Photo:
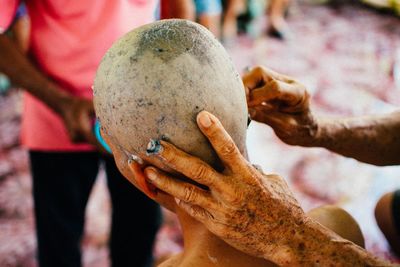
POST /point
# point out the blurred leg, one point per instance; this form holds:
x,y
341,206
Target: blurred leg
x,y
212,23
229,25
135,221
339,221
276,14
387,215
61,187
208,14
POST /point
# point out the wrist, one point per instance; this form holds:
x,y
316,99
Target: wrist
x,y
323,132
62,103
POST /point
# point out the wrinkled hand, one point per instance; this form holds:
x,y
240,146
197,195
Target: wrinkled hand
x,y
249,210
282,103
77,114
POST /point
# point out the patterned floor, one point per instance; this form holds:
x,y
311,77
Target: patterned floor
x,y
346,57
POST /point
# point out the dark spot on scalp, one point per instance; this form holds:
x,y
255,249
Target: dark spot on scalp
x,y
141,102
122,53
161,119
167,40
133,59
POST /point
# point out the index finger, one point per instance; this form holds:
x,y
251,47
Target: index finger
x,y
186,164
275,90
221,141
259,76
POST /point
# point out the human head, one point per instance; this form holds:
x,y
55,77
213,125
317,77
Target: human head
x,y
152,83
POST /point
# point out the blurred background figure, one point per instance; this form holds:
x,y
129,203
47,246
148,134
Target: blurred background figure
x,y
20,29
19,33
183,9
278,26
208,13
232,9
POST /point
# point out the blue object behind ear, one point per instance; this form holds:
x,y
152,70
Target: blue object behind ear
x,y
97,133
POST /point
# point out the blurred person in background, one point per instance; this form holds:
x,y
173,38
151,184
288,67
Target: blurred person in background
x,y
20,28
232,9
19,34
67,41
278,26
208,14
183,9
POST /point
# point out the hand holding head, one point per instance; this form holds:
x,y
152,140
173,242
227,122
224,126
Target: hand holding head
x,y
249,210
152,83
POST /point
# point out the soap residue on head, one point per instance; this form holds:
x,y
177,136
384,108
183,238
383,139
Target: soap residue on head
x,y
212,259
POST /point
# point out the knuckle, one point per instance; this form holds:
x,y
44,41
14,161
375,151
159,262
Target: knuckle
x,y
235,199
228,148
258,69
200,213
189,194
220,229
273,85
200,172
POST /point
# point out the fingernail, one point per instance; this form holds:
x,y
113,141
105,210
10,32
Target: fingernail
x,y
134,158
153,147
205,120
151,174
178,201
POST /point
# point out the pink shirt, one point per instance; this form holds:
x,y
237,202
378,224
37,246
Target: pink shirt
x,y
68,40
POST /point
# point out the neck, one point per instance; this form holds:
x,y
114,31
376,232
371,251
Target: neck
x,y
202,248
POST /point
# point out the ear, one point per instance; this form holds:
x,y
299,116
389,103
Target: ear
x,y
166,200
140,178
121,159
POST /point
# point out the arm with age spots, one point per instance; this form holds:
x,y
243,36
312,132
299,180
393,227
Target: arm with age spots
x,y
254,212
284,104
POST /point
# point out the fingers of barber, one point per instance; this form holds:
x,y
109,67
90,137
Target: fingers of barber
x,y
290,95
276,120
181,190
220,140
259,75
188,165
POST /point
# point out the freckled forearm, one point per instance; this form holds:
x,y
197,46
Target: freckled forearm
x,y
311,244
371,139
